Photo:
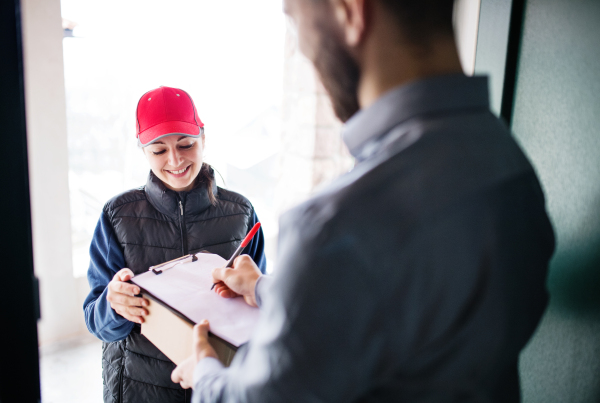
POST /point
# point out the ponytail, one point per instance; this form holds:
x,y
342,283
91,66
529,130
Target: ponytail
x,y
207,176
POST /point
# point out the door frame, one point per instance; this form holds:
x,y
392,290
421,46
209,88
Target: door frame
x,y
19,303
498,47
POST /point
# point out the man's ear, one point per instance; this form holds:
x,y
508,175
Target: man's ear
x,y
351,16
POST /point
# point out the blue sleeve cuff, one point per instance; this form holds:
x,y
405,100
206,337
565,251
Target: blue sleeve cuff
x,y
106,258
256,247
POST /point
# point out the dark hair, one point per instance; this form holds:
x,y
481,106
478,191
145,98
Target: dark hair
x,y
207,176
420,20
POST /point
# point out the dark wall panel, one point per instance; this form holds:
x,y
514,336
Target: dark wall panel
x,y
556,118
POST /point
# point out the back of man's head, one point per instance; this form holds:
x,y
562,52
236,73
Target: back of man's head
x,y
363,48
421,20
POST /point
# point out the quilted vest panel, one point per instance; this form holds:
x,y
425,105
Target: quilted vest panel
x,y
154,224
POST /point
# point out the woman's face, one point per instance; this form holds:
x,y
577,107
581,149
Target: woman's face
x,y
176,160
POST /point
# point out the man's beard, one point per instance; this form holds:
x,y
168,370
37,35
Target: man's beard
x,y
339,74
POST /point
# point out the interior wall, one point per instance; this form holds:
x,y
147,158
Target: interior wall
x,y
466,25
556,120
492,46
48,170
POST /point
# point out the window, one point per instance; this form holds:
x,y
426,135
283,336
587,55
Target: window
x,y
227,55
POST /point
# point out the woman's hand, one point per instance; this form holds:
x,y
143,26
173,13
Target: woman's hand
x,y
121,296
238,280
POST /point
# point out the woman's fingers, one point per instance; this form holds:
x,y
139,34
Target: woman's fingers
x,y
123,275
127,300
129,309
130,313
124,288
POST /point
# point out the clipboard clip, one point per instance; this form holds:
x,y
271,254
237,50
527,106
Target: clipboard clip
x,y
159,268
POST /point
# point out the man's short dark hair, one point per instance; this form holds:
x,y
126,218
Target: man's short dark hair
x,y
420,20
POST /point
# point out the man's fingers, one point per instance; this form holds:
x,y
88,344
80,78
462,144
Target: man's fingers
x,y
242,259
176,374
200,336
220,274
200,344
201,331
225,292
184,373
220,286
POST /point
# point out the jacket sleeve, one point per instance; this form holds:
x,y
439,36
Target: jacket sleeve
x,y
297,353
106,259
256,248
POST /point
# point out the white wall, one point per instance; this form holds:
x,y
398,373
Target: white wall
x,y
62,317
466,24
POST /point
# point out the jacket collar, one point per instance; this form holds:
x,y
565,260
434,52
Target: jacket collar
x,y
434,95
167,201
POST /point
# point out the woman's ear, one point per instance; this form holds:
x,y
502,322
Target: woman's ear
x,y
351,17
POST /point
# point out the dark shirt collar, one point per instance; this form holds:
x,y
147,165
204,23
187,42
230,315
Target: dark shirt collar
x,y
166,200
429,96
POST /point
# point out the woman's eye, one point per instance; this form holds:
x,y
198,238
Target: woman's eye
x,y
187,147
158,152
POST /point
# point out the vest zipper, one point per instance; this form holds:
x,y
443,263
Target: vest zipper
x,y
184,245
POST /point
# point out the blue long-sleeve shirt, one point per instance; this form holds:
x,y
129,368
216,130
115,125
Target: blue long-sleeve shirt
x,y
106,259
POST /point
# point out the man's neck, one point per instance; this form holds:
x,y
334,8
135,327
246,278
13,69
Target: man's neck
x,y
390,64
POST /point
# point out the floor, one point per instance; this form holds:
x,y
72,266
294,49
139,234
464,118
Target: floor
x,y
71,371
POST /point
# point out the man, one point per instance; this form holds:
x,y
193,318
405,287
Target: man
x,y
417,277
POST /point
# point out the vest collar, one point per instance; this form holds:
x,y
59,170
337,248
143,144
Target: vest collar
x,y
167,201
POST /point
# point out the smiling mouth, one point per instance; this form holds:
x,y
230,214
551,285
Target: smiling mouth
x,y
180,171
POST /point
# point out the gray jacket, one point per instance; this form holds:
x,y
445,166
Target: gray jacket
x,y
417,277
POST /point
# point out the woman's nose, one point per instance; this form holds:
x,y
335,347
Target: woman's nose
x,y
174,158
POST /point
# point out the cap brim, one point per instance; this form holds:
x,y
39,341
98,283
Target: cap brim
x,y
164,129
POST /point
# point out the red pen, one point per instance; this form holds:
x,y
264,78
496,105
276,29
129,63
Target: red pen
x,y
239,250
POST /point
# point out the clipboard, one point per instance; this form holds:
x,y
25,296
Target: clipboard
x,y
180,296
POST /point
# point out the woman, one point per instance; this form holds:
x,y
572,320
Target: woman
x,y
179,211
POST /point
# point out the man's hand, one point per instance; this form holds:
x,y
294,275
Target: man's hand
x,y
237,280
184,372
121,296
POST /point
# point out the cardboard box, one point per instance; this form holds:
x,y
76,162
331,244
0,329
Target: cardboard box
x,y
171,333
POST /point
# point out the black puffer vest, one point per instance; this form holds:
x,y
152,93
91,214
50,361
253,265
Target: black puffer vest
x,y
154,224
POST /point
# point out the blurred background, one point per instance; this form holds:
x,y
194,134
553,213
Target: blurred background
x,y
115,51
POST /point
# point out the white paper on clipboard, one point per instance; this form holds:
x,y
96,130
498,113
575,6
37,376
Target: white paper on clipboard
x,y
186,288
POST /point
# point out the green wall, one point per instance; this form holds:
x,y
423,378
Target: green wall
x,y
556,118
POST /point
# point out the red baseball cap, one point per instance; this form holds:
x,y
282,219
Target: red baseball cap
x,y
165,111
